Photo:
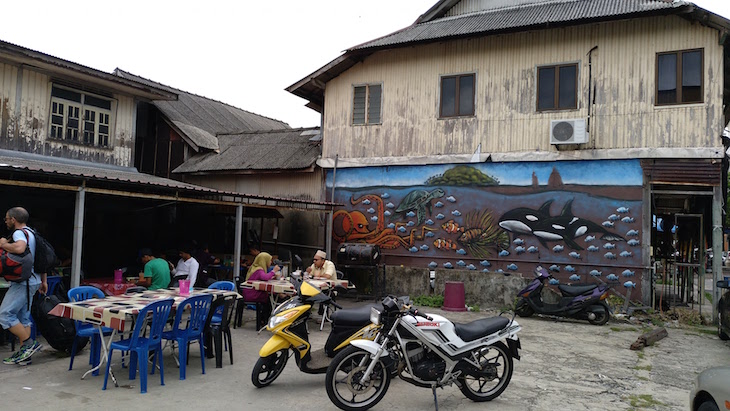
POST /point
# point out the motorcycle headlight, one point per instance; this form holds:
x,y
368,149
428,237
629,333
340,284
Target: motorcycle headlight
x,y
280,318
374,316
285,306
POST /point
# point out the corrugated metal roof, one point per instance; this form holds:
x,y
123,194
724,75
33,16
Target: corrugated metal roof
x,y
289,149
20,166
77,72
524,16
201,118
10,160
432,26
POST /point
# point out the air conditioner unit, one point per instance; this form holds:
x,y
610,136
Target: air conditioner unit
x,y
570,131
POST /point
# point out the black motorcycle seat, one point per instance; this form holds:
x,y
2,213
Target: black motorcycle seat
x,y
573,290
353,316
480,328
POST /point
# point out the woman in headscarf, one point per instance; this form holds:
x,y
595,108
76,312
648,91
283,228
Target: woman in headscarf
x,y
261,298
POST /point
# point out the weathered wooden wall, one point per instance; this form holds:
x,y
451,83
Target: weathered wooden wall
x,y
307,186
25,97
623,71
297,227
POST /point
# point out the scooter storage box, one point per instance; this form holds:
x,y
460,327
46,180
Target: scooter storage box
x,y
358,254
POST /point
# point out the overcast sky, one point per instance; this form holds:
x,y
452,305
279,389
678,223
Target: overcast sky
x,y
243,53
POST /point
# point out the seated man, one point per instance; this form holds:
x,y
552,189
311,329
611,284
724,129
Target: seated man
x,y
187,267
322,269
156,271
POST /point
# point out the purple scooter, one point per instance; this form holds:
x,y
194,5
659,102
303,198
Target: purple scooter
x,y
584,302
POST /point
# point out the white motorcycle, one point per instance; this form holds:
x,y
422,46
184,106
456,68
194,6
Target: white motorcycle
x,y
428,351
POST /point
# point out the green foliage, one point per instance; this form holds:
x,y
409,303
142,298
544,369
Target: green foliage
x,y
644,368
474,308
463,176
615,302
708,296
644,401
429,301
619,329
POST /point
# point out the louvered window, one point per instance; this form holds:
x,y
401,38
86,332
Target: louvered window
x,y
367,104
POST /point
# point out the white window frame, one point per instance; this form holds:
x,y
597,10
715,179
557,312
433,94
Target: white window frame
x,y
96,118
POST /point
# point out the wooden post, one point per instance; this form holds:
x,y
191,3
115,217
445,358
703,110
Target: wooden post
x,y
649,338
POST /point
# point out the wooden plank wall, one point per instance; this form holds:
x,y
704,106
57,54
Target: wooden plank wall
x,y
623,71
25,127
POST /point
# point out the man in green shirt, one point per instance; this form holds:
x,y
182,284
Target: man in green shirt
x,y
156,271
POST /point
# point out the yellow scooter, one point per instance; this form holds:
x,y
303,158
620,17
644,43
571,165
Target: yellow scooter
x,y
288,322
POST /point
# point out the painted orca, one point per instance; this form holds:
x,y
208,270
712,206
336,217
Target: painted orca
x,y
564,227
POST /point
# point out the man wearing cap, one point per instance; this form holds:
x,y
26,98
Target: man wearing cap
x,y
321,267
156,271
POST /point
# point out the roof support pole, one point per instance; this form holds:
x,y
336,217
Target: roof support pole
x,y
717,202
237,243
646,280
78,237
330,223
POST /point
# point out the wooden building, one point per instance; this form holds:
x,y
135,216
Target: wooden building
x,y
505,134
73,141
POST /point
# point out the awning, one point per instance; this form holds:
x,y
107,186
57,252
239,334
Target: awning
x,y
33,170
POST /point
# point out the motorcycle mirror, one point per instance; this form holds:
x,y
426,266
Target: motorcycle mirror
x,y
539,272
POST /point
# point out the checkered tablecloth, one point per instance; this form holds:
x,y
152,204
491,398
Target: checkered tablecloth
x,y
116,311
287,288
108,286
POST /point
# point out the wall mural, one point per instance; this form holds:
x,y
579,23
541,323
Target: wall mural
x,y
580,219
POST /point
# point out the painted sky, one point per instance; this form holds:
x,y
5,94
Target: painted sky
x,y
606,172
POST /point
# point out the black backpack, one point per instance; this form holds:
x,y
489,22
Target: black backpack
x,y
45,257
59,332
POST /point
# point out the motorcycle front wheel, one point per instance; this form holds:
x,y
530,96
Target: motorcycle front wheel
x,y
343,383
523,309
267,369
495,375
601,314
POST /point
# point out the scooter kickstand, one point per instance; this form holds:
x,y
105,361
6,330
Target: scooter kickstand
x,y
435,400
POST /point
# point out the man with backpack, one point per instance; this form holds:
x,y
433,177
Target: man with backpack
x,y
15,308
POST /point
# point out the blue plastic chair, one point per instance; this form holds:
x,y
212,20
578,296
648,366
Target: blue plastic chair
x,y
193,331
155,314
220,285
223,285
53,282
86,330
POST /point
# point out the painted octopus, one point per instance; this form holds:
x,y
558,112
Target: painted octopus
x,y
353,226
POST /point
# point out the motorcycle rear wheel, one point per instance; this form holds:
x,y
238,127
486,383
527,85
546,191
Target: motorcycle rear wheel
x,y
267,369
601,315
487,388
523,309
343,376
